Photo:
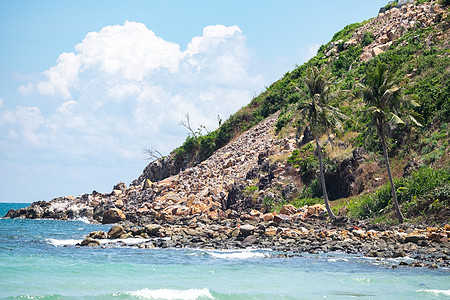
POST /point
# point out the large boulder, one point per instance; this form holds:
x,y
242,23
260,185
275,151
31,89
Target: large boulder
x,y
98,235
247,229
115,232
113,215
152,229
90,242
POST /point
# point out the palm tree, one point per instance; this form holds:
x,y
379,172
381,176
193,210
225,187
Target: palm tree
x,y
321,116
387,105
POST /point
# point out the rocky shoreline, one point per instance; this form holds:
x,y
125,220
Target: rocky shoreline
x,y
212,206
291,235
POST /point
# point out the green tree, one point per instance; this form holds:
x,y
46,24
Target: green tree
x,y
387,105
320,115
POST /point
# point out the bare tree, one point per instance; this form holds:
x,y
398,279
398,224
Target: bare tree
x,y
152,154
187,123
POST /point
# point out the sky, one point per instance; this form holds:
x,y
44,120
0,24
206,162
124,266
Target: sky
x,y
85,86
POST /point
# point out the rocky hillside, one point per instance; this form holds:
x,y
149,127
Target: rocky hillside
x,y
260,158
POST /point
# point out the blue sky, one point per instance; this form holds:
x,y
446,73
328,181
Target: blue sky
x,y
86,85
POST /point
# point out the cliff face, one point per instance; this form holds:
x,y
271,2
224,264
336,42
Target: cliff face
x,y
252,171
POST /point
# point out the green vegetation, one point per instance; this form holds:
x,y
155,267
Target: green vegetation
x,y
386,105
320,115
425,191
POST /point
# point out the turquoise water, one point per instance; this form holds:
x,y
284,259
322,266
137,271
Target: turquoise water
x,y
39,260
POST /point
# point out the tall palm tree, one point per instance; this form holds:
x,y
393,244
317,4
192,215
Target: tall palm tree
x,y
321,116
387,105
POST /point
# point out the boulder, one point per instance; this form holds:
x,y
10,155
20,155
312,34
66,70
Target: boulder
x,y
98,235
115,232
288,210
316,209
120,186
90,242
147,184
152,229
113,215
281,218
247,229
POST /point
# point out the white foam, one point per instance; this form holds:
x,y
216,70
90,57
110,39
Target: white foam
x,y
191,294
128,241
237,255
83,219
59,243
436,292
335,259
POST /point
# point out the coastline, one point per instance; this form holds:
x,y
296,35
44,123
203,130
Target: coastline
x,y
427,246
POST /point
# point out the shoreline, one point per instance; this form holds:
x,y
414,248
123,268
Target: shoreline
x,y
291,231
314,235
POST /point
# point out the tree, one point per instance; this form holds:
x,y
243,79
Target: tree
x,y
321,116
387,105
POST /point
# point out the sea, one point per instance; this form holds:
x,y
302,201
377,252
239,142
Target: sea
x,y
39,259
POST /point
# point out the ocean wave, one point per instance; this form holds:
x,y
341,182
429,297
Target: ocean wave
x,y
436,292
244,254
82,219
106,242
63,243
170,294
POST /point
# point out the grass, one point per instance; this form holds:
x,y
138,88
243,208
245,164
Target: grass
x,y
425,192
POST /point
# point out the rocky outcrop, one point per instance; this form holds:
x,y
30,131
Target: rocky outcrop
x,y
390,25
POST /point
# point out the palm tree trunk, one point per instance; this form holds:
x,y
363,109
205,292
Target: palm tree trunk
x,y
388,167
322,180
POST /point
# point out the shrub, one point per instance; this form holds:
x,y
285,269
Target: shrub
x,y
367,38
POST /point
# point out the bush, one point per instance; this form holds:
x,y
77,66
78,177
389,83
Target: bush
x,y
422,184
367,38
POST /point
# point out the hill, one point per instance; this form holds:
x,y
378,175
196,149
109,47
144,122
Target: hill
x,y
262,158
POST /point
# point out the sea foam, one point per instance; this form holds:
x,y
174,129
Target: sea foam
x,y
61,243
170,294
237,254
436,292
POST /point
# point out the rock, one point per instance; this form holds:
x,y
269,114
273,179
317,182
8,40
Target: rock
x,y
98,235
376,51
152,229
89,242
288,210
120,186
113,215
316,209
250,240
267,217
147,184
411,166
414,238
281,218
115,232
399,253
247,229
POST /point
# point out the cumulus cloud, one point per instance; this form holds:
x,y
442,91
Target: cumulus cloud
x,y
123,88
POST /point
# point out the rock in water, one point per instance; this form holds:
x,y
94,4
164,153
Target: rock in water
x,y
89,242
98,235
113,215
115,232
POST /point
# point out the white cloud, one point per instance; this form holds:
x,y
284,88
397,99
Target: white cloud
x,y
124,88
1,103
